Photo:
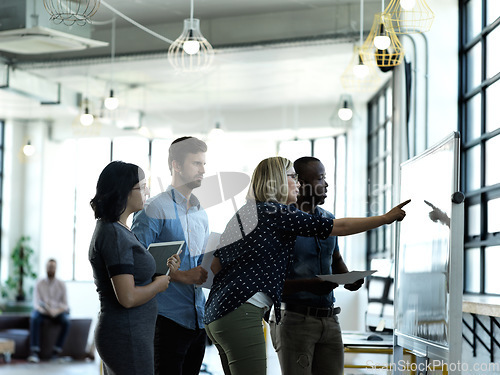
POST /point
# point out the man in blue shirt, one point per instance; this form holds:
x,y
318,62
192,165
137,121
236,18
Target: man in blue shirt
x,y
176,215
308,339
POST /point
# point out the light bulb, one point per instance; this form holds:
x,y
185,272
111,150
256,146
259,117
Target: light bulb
x,y
86,119
360,70
216,131
407,4
345,114
382,42
191,47
28,149
111,103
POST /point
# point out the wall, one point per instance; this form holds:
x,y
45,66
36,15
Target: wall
x,y
443,71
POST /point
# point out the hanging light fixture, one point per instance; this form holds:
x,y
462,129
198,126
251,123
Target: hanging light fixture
x,y
86,118
216,131
360,70
70,12
191,51
359,76
382,40
111,102
345,110
383,55
407,4
29,149
409,16
343,113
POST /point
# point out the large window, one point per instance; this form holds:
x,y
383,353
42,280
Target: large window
x,y
380,171
480,128
85,158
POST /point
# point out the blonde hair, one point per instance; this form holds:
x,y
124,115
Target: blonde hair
x,y
269,180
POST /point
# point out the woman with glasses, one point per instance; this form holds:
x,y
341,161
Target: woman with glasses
x,y
252,259
123,273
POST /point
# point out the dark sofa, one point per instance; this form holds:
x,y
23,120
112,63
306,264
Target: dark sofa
x,y
15,326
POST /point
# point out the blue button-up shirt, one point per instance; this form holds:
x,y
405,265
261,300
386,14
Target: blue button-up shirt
x,y
165,218
312,256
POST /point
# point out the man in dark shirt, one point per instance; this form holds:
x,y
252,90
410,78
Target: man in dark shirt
x,y
309,339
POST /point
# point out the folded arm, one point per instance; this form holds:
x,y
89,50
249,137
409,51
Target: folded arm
x,y
130,295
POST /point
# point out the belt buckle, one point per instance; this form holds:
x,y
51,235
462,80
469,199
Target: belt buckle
x,y
319,312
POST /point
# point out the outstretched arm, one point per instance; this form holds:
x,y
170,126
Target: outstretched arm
x,y
353,225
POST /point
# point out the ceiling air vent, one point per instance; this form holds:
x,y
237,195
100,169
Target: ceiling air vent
x,y
37,40
25,28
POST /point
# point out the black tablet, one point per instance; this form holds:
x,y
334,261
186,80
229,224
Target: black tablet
x,y
161,251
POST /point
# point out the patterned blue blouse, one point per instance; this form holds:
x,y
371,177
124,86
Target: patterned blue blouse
x,y
255,253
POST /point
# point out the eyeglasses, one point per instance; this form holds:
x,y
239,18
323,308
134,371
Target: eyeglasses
x,y
294,176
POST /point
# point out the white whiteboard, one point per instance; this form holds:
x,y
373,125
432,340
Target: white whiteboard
x,y
428,282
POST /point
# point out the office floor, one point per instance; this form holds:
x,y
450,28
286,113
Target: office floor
x,y
211,360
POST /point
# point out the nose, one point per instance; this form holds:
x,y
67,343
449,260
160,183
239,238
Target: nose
x,y
326,184
146,191
202,169
297,183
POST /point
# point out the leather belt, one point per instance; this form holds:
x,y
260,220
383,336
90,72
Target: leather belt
x,y
317,312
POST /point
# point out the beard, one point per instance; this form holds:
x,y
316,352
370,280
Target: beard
x,y
194,184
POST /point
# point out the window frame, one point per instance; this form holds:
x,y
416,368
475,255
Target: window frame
x,y
377,192
483,194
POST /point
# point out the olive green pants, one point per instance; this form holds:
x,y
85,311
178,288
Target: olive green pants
x,y
239,338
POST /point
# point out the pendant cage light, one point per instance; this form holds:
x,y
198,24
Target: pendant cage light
x,y
86,123
345,110
342,115
370,51
28,149
191,52
409,16
360,76
70,12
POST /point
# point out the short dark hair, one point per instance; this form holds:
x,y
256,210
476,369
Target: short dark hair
x,y
113,187
300,165
181,147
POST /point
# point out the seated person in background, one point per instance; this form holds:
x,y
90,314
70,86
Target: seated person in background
x,y
50,302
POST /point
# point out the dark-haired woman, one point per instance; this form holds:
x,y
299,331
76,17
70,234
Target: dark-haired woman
x,y
123,273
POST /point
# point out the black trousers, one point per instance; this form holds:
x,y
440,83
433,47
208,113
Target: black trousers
x,y
178,350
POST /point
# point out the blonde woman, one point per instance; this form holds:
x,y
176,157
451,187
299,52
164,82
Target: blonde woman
x,y
252,259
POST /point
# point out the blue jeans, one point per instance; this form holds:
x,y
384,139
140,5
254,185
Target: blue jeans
x,y
36,326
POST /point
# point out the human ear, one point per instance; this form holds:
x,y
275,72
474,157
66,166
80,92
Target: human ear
x,y
176,166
